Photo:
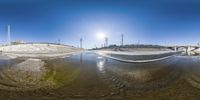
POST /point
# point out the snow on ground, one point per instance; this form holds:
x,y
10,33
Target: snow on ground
x,y
38,50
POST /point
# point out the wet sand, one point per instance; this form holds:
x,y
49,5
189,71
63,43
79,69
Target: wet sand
x,y
90,76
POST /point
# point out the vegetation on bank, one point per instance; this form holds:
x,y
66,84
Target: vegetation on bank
x,y
60,75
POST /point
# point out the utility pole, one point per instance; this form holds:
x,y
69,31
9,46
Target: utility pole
x,y
8,35
106,41
58,41
81,41
122,39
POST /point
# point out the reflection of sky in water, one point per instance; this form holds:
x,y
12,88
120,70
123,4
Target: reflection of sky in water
x,y
140,72
101,63
138,76
191,53
160,73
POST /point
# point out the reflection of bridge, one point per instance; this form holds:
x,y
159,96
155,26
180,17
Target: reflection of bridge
x,y
184,48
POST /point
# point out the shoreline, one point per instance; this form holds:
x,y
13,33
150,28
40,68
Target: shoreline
x,y
38,55
137,56
38,51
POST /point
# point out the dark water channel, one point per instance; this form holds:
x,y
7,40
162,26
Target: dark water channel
x,y
90,76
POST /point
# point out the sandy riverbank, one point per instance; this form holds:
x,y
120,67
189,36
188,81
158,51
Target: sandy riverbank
x,y
26,75
38,50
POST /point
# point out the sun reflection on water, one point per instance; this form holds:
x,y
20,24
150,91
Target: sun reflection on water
x,y
101,63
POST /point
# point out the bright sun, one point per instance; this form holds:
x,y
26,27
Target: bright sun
x,y
101,36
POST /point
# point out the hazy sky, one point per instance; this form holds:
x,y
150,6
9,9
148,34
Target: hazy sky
x,y
162,22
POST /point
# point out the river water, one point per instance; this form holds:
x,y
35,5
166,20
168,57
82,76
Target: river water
x,y
91,76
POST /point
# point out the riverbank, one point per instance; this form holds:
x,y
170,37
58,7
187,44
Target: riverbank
x,y
26,75
37,50
137,54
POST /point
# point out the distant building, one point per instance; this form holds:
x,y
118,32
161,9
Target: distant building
x,y
18,42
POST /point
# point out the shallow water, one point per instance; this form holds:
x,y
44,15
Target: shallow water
x,y
90,76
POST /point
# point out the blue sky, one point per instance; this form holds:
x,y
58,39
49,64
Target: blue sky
x,y
164,22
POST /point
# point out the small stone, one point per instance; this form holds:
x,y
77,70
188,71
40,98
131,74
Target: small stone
x,y
121,90
112,93
117,81
122,85
113,79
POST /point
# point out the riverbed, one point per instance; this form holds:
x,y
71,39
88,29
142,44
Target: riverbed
x,y
90,76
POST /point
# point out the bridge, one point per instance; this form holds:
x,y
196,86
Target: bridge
x,y
188,48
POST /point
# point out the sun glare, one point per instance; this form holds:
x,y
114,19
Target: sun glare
x,y
100,36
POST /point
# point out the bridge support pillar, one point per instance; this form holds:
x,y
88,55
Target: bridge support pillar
x,y
188,49
175,48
